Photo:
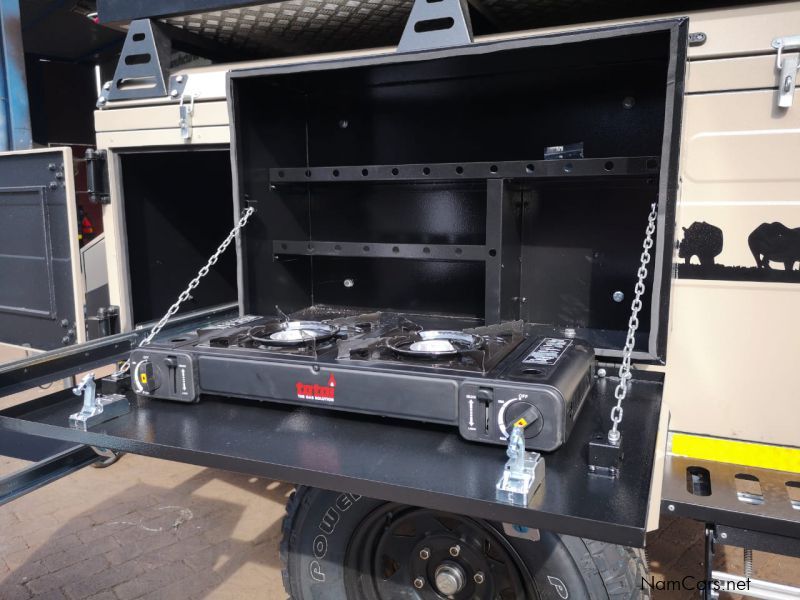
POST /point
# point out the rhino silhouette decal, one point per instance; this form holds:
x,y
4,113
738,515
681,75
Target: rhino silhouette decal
x,y
702,240
775,242
769,242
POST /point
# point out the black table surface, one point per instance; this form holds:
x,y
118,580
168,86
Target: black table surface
x,y
401,461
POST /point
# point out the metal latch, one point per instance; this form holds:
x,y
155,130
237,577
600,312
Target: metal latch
x,y
788,66
97,176
523,472
96,408
185,116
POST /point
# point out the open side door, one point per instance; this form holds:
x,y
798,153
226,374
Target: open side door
x,y
41,296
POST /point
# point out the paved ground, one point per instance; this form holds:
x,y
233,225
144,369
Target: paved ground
x,y
145,528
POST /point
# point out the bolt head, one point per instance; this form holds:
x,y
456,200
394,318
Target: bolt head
x,y
424,554
179,79
173,93
455,550
479,578
601,372
107,85
101,100
419,583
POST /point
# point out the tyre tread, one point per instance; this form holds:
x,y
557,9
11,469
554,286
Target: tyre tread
x,y
621,568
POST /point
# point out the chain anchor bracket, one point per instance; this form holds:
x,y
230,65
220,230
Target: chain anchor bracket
x,y
97,408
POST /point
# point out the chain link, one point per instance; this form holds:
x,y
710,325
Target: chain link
x,y
186,294
633,324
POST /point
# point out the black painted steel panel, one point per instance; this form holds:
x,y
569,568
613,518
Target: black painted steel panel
x,y
37,306
420,465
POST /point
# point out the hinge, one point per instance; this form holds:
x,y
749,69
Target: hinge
x,y
787,62
97,176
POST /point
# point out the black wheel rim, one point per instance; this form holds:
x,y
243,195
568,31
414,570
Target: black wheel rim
x,y
396,552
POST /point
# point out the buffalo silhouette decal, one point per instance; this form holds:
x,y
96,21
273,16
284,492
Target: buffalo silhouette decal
x,y
769,243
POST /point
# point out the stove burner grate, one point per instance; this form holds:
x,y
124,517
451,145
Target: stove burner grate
x,y
434,344
291,333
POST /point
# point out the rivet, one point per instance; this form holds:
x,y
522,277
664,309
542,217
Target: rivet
x,y
671,508
173,93
601,372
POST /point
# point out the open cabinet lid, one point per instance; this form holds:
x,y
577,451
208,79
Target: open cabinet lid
x,y
41,297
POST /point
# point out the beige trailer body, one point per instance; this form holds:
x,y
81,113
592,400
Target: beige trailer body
x,y
733,346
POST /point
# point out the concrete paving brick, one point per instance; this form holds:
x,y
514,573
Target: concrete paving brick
x,y
9,544
45,546
26,572
23,528
104,581
51,595
14,592
197,585
107,595
152,580
58,579
7,517
67,557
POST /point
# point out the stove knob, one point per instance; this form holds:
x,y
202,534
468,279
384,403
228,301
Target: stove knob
x,y
145,377
523,413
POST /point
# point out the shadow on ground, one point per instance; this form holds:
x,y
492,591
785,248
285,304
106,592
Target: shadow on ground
x,y
151,542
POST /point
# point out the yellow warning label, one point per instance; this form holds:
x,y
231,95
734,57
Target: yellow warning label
x,y
143,377
521,422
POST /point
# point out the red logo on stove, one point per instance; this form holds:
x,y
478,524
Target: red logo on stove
x,y
314,391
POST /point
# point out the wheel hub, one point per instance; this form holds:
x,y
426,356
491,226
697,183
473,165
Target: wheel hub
x,y
449,578
420,554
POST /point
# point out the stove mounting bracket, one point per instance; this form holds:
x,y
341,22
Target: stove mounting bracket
x,y
435,25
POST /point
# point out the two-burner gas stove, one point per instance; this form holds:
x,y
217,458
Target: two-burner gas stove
x,y
483,379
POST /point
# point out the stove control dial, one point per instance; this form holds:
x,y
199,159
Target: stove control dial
x,y
145,377
523,412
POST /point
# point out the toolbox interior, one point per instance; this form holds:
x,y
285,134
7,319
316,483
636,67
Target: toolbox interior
x,y
325,150
178,208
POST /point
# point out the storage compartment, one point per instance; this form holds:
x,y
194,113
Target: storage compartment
x,y
421,182
177,211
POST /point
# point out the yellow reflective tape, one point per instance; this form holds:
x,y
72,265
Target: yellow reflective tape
x,y
143,377
522,422
749,454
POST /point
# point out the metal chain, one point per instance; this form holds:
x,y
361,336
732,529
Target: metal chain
x,y
186,294
633,324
